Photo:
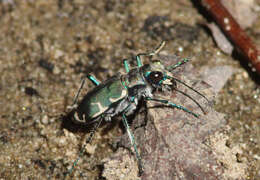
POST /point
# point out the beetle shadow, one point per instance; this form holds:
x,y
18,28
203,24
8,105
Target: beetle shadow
x,y
67,123
70,125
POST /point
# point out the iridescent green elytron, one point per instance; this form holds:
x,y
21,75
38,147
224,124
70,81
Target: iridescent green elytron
x,y
121,94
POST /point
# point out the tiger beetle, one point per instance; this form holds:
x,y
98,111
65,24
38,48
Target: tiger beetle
x,y
120,95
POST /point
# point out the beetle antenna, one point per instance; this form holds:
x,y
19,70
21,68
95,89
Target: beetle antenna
x,y
171,104
74,106
190,88
196,102
83,148
183,61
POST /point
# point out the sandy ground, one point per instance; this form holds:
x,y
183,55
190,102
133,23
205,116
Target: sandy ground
x,y
47,46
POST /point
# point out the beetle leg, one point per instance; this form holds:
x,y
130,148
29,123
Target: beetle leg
x,y
107,118
93,79
183,61
74,105
132,140
126,65
172,105
131,108
154,52
138,60
83,148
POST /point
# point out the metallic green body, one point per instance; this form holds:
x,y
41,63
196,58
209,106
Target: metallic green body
x,y
122,93
101,98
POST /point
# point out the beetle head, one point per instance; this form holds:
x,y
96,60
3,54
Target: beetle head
x,y
157,76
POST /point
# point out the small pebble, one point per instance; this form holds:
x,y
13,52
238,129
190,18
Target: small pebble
x,y
45,119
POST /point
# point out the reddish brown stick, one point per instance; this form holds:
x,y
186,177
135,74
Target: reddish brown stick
x,y
232,29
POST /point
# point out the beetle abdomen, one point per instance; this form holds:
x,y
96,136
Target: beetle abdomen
x,y
101,98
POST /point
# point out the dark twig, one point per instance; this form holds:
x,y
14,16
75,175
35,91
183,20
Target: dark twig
x,y
234,32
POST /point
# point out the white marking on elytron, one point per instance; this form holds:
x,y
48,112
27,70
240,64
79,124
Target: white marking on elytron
x,y
76,116
100,108
124,93
103,109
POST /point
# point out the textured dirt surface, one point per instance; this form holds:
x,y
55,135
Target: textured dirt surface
x,y
47,46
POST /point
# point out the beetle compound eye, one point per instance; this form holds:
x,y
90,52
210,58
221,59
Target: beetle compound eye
x,y
155,77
